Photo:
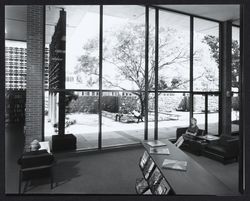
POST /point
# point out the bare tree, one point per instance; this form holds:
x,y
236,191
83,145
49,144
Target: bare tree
x,y
125,49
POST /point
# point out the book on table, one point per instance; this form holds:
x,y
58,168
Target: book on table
x,y
174,164
156,143
159,150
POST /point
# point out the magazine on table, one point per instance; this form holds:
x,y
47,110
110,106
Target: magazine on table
x,y
156,143
148,192
162,188
141,185
155,178
148,168
144,159
174,164
159,150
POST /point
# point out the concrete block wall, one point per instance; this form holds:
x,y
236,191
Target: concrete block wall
x,y
35,65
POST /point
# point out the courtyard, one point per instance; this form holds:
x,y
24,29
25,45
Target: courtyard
x,y
115,133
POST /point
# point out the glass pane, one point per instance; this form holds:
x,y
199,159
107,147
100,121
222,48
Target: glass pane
x,y
51,115
174,51
151,75
206,55
122,119
15,65
151,51
199,110
81,117
213,115
55,42
235,114
173,112
124,47
151,115
235,58
82,45
235,78
123,69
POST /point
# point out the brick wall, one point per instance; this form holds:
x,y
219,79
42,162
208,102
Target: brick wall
x,y
35,56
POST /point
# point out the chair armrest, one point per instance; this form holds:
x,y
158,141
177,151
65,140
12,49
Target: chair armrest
x,y
37,168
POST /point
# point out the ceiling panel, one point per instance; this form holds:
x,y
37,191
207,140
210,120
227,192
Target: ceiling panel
x,y
16,16
217,12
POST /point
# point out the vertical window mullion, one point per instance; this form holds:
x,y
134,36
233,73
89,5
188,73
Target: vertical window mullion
x,y
220,76
156,71
206,112
100,77
146,71
191,77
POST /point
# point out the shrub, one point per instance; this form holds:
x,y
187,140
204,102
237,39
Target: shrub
x,y
235,103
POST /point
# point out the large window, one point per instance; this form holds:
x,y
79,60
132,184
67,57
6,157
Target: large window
x,y
179,85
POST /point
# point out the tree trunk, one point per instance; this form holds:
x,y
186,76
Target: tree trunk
x,y
142,100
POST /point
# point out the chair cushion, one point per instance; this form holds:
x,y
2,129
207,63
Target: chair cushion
x,y
217,149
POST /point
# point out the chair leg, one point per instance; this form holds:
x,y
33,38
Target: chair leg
x,y
20,181
51,178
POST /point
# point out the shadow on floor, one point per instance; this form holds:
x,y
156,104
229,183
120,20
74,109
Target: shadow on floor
x,y
63,171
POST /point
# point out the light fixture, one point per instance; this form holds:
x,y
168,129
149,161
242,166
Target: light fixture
x,y
5,31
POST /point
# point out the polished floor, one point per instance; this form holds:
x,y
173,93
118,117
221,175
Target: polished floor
x,y
108,172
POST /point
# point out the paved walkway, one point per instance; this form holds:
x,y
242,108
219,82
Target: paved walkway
x,y
117,133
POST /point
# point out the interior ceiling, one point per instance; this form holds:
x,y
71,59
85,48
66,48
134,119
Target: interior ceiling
x,y
217,12
16,16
